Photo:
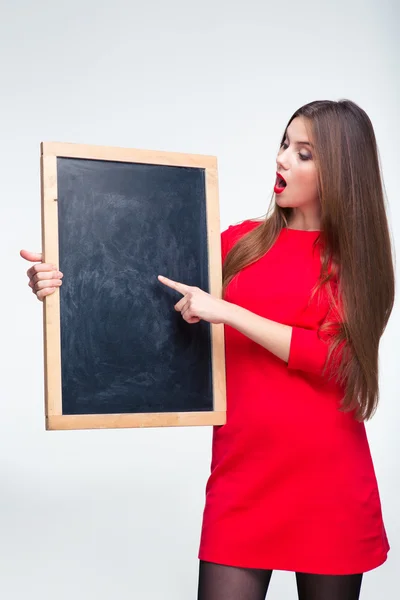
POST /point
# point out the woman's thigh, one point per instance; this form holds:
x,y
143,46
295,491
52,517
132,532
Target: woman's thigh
x,y
328,587
223,582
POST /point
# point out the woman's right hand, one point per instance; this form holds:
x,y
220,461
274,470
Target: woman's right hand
x,y
44,278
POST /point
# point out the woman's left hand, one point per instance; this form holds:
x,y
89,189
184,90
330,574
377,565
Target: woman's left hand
x,y
197,305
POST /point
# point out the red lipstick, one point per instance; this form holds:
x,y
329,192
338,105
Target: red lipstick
x,y
280,184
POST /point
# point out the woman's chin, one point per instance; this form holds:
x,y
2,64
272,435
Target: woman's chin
x,y
281,201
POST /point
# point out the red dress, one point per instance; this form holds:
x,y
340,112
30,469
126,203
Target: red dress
x,y
292,484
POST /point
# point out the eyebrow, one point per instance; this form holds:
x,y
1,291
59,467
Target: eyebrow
x,y
300,143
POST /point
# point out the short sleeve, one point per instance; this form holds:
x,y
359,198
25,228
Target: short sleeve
x,y
309,348
307,351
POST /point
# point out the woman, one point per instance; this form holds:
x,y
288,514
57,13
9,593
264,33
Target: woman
x,y
307,294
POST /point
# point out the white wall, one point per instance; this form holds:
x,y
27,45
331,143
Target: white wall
x,y
117,514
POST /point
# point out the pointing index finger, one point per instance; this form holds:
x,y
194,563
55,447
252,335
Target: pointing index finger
x,y
175,285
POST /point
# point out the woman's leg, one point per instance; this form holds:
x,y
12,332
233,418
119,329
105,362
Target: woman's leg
x,y
328,587
222,582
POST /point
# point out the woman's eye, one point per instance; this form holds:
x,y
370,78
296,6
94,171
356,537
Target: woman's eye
x,y
284,145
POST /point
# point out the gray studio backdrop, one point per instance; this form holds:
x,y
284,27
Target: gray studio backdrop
x,y
117,514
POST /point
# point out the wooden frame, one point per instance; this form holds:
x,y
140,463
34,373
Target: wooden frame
x,y
51,309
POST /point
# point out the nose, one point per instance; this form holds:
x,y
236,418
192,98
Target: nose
x,y
282,161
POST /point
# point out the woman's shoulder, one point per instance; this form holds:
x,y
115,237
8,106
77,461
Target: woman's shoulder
x,y
234,232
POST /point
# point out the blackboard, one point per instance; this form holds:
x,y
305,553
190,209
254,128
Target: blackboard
x,y
117,354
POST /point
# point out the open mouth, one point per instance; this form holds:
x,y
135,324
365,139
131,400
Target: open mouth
x,y
280,184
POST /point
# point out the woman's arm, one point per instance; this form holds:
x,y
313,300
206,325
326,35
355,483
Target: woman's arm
x,y
273,336
302,349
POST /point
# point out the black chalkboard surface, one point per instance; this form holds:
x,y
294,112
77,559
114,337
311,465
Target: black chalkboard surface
x,y
117,354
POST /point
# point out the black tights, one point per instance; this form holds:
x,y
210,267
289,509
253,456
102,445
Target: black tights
x,y
221,582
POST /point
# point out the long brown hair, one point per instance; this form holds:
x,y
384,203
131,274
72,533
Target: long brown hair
x,y
356,245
